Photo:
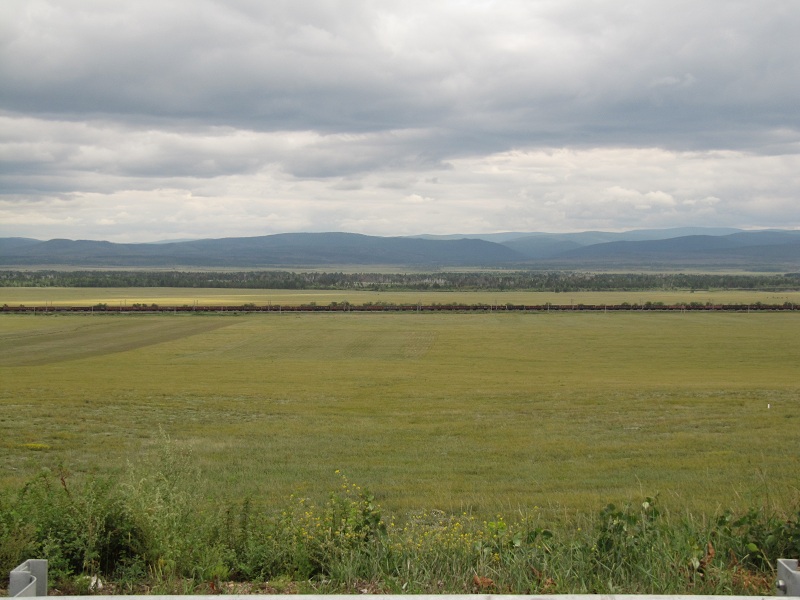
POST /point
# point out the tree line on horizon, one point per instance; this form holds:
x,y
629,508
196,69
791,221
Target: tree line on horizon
x,y
444,281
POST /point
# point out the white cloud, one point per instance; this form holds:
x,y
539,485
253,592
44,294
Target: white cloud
x,y
148,120
537,189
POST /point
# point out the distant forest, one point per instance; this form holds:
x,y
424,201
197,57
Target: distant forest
x,y
490,281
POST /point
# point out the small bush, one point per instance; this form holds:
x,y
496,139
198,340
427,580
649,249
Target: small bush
x,y
758,538
17,536
81,529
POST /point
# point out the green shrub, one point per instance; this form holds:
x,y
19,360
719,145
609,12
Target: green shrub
x,y
17,536
758,538
80,529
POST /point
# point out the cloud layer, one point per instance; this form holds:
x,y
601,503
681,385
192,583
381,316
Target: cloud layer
x,y
146,120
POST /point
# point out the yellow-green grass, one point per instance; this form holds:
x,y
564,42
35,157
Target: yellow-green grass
x,y
487,412
205,296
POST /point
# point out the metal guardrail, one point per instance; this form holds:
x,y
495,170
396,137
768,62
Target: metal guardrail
x,y
28,579
788,583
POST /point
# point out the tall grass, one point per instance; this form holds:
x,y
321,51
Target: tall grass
x,y
150,530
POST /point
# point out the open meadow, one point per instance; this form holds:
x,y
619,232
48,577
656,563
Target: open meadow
x,y
483,413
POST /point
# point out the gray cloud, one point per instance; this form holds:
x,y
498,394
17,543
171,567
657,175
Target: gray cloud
x,y
325,114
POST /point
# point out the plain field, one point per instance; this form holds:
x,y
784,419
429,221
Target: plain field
x,y
486,412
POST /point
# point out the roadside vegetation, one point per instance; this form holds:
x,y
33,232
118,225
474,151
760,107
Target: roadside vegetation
x,y
149,530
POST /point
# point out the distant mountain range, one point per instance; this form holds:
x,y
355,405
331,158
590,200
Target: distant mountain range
x,y
652,249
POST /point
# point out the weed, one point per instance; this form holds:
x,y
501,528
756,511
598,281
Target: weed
x,y
758,538
82,529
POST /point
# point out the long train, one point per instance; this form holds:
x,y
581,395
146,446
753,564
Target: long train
x,y
408,308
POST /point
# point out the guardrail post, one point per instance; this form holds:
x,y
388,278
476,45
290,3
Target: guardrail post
x,y
788,583
28,579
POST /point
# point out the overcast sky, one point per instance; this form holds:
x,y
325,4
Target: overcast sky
x,y
145,120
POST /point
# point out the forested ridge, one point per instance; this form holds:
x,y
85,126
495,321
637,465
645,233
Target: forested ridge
x,y
492,281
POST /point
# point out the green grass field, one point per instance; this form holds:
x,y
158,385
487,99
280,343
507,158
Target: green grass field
x,y
488,413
